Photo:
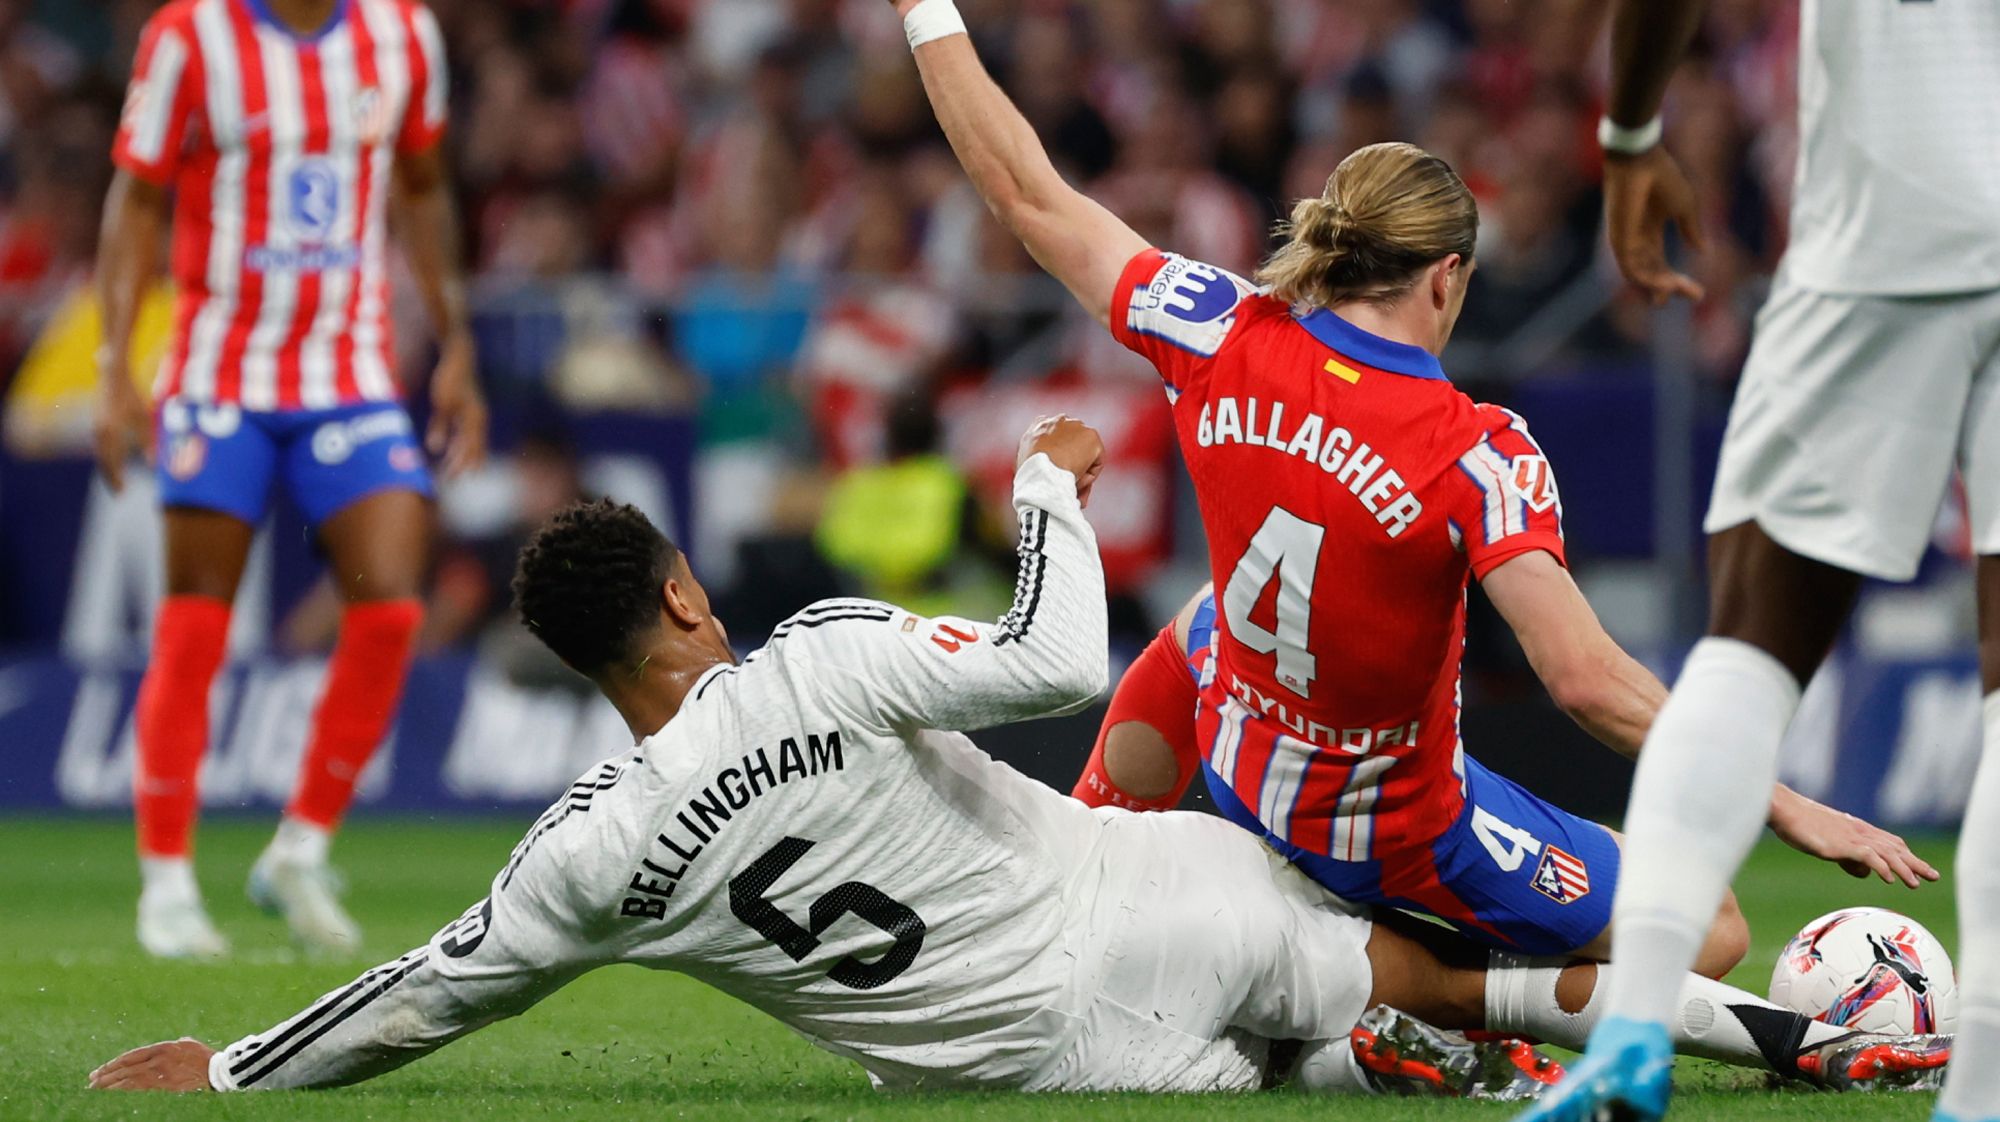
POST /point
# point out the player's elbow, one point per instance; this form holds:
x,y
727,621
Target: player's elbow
x,y
1584,691
1069,684
134,206
1028,218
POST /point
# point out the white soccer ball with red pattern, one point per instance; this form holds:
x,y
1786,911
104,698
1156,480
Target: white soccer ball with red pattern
x,y
1869,969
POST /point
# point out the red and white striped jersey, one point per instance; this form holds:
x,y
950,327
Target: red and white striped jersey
x,y
279,148
1348,491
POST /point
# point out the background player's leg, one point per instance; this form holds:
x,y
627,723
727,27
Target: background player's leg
x,y
1704,782
205,554
1973,1088
377,548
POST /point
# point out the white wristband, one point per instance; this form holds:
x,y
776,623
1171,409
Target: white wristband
x,y
1619,140
930,20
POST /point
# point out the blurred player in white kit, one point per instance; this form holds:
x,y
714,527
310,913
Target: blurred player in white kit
x,y
1874,370
794,831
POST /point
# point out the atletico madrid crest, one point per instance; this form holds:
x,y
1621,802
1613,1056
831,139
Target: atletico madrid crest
x,y
186,454
370,112
1561,877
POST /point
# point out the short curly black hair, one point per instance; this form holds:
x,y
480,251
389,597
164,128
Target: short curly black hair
x,y
588,582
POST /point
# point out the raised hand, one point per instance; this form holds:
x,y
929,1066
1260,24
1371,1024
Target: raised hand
x,y
1069,444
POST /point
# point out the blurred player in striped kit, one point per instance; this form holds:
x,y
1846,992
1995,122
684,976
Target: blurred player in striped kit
x,y
273,136
1875,369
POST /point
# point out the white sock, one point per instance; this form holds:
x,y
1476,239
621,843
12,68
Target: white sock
x,y
1700,798
1972,1088
300,843
1328,1067
168,878
1711,1020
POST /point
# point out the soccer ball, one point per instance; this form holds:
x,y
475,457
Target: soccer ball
x,y
1868,969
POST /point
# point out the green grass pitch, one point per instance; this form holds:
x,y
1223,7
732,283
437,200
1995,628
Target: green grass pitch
x,y
621,1043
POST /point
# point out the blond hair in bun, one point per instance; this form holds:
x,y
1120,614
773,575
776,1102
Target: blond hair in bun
x,y
1389,210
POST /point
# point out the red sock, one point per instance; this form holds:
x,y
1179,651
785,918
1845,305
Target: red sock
x,y
1158,690
189,636
363,685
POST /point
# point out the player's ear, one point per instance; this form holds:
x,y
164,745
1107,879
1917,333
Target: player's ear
x,y
1442,275
681,603
683,598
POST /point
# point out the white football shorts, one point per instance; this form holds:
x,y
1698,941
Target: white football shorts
x,y
1201,950
1851,414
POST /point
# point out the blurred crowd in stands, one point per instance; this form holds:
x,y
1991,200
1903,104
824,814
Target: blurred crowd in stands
x,y
745,203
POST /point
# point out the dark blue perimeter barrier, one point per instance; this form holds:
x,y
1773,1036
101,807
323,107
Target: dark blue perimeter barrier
x,y
1894,741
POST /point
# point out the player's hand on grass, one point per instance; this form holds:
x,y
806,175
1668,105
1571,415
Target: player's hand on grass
x,y
1855,845
123,424
1070,445
171,1065
458,409
1641,195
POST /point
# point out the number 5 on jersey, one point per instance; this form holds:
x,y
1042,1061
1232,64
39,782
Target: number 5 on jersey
x,y
1285,547
749,904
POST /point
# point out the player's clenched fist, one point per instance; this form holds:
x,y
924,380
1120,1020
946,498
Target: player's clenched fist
x,y
171,1065
1069,444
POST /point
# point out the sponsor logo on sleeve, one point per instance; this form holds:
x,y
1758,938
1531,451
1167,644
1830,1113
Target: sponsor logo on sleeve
x,y
1534,481
951,638
1189,304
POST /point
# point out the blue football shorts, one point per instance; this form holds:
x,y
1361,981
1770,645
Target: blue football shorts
x,y
225,458
1513,871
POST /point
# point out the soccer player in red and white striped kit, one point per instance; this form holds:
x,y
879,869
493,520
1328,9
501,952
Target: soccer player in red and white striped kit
x,y
274,136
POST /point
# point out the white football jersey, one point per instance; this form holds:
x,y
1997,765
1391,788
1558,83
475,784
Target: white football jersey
x,y
797,836
1898,180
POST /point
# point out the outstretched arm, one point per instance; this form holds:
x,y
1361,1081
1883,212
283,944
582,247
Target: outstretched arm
x,y
504,954
1615,699
399,1011
1079,242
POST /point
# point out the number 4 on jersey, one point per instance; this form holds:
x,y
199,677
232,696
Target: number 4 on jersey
x,y
1286,547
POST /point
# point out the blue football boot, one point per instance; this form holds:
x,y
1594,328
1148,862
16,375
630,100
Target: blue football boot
x,y
1625,1076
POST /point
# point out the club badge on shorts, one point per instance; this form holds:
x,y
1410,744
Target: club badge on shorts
x,y
186,455
1561,877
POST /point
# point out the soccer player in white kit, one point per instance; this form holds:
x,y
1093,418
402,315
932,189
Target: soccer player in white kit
x,y
794,831
1875,368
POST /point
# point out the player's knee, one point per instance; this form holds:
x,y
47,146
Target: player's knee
x,y
1728,941
1989,622
212,585
1139,761
362,587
